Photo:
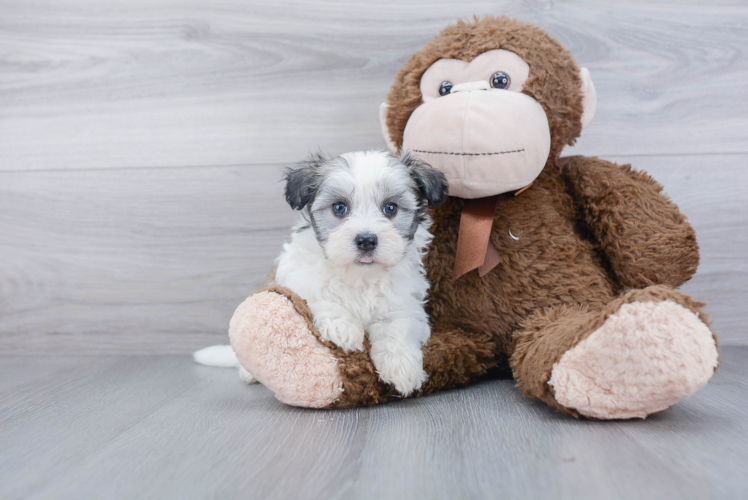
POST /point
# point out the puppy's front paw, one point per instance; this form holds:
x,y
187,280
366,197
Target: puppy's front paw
x,y
404,370
345,333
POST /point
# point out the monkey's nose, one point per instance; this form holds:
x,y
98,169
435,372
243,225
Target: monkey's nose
x,y
465,87
366,242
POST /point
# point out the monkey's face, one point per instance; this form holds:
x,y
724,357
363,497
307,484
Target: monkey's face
x,y
477,127
487,103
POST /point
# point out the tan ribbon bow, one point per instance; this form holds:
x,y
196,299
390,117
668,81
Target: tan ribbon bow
x,y
474,248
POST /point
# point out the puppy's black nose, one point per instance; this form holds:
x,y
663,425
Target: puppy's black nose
x,y
366,242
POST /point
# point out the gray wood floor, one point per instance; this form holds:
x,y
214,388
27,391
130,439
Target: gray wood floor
x,y
139,427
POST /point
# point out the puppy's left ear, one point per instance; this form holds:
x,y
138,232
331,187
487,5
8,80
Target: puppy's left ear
x,y
431,184
303,179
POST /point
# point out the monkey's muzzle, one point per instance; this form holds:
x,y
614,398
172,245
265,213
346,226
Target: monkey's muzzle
x,y
486,142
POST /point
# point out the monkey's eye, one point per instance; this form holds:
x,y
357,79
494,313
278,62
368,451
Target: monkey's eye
x,y
339,209
500,80
389,209
445,88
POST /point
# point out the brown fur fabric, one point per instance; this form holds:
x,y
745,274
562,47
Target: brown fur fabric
x,y
589,236
633,246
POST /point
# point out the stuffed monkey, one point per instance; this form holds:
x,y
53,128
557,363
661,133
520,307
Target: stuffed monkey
x,y
562,270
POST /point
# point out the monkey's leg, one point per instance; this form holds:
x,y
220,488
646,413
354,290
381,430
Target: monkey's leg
x,y
640,355
451,358
275,340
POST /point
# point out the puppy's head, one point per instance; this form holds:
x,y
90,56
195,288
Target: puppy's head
x,y
364,207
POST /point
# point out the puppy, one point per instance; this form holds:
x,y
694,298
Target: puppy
x,y
356,258
357,255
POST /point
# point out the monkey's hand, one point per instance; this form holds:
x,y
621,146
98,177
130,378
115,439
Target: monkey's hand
x,y
642,233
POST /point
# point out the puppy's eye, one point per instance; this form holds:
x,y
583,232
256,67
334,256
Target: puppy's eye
x,y
445,88
389,209
500,80
339,209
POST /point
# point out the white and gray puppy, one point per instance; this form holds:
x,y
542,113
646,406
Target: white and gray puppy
x,y
357,255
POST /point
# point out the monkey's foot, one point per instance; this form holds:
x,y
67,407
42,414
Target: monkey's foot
x,y
642,360
275,344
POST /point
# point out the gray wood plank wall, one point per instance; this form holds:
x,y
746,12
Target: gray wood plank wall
x,y
141,144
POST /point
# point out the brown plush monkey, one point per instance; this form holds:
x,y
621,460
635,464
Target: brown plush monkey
x,y
561,269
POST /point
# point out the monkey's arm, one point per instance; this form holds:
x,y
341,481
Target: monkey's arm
x,y
643,234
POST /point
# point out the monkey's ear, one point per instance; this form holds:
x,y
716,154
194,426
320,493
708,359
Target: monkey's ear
x,y
589,97
385,131
431,184
303,179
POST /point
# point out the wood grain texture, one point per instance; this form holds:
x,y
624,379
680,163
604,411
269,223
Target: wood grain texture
x,y
138,260
187,83
141,144
162,427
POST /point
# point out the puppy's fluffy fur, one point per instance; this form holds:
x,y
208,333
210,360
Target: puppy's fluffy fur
x,y
356,257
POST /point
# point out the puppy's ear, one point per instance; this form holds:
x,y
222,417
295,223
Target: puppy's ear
x,y
431,184
303,179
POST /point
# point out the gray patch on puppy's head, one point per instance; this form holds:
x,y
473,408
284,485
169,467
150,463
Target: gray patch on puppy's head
x,y
427,187
331,188
431,183
303,180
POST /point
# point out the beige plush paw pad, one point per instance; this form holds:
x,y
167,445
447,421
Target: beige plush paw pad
x,y
642,360
273,342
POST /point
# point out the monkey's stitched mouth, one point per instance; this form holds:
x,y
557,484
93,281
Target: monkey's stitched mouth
x,y
468,154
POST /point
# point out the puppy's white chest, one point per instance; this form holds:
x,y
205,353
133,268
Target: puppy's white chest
x,y
366,301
